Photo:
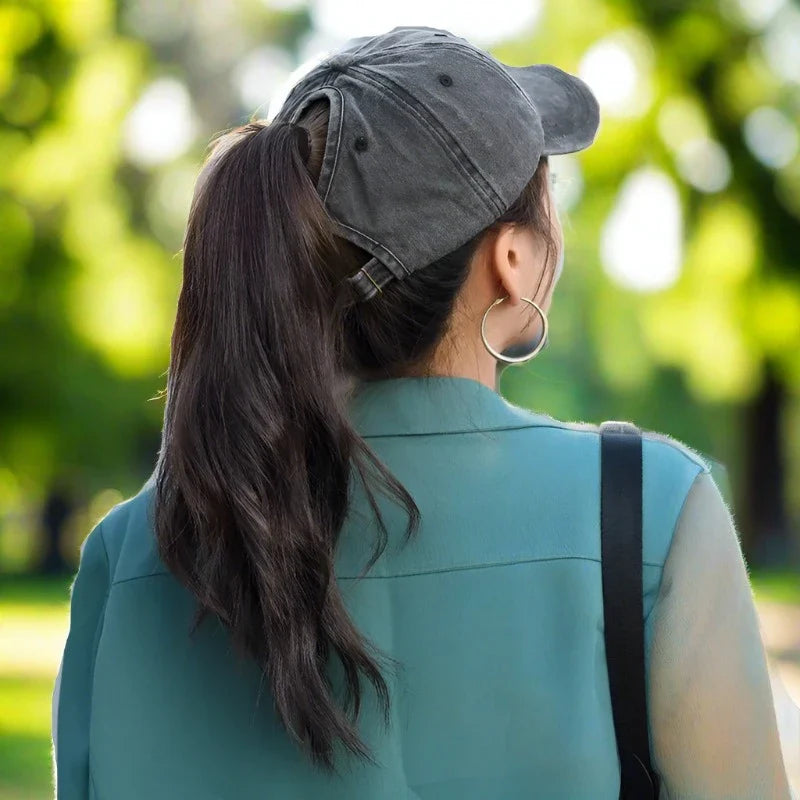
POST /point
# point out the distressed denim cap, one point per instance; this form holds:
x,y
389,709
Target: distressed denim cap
x,y
430,140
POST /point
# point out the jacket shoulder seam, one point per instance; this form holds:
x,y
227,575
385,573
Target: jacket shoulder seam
x,y
694,458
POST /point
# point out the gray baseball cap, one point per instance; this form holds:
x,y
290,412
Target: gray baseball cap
x,y
430,140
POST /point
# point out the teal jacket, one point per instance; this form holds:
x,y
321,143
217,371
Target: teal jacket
x,y
494,611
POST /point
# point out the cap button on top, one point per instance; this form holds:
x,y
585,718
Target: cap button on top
x,y
339,61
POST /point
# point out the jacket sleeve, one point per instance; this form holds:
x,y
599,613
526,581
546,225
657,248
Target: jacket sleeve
x,y
712,717
72,692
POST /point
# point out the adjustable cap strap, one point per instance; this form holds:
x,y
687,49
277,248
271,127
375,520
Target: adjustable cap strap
x,y
370,279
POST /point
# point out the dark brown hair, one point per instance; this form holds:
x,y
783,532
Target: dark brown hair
x,y
258,454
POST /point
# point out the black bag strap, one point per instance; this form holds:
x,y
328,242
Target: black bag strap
x,y
621,554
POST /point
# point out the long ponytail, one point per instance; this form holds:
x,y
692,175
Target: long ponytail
x,y
257,452
258,455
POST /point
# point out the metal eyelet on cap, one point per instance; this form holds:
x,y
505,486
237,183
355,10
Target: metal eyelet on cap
x,y
445,80
360,143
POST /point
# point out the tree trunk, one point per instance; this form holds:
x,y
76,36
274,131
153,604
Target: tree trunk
x,y
767,535
58,506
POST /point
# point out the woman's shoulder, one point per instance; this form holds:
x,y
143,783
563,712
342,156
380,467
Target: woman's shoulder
x,y
670,467
126,531
670,447
656,445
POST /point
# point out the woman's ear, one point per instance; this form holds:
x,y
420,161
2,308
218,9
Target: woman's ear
x,y
506,261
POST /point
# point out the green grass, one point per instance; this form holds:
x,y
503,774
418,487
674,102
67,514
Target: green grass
x,y
779,586
35,591
25,760
33,610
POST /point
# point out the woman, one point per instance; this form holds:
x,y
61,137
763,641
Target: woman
x,y
391,574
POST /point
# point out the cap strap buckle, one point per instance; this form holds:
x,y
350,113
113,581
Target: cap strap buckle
x,y
369,280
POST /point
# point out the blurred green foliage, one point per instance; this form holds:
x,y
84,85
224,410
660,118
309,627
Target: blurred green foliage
x,y
90,236
90,240
91,225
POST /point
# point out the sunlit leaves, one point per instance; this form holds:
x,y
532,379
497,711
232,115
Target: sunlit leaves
x,y
724,248
774,311
16,239
702,336
700,324
121,301
82,144
20,27
26,99
79,23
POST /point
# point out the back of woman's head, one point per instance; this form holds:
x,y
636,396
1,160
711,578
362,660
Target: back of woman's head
x,y
258,454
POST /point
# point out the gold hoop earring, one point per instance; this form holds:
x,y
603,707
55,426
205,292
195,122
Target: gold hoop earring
x,y
515,359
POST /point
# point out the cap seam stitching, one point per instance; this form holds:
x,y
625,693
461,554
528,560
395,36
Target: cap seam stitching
x,y
336,89
382,246
360,49
301,106
338,138
490,62
384,83
401,46
333,175
468,51
443,134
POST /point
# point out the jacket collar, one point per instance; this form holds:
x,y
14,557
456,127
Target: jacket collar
x,y
410,406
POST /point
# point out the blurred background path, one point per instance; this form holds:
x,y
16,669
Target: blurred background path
x,y
780,628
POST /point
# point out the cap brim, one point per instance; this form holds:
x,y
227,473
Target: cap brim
x,y
568,109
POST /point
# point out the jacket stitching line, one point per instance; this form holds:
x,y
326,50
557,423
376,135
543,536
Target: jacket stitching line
x,y
463,568
487,565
